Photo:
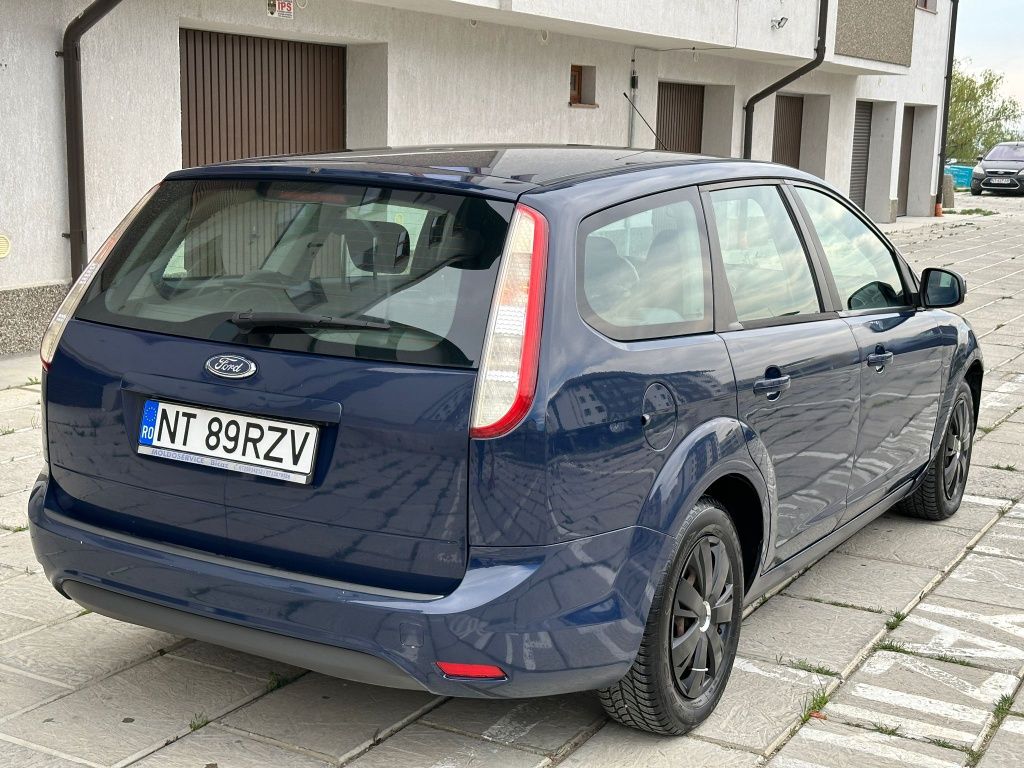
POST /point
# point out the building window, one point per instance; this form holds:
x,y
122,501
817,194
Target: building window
x,y
582,86
926,5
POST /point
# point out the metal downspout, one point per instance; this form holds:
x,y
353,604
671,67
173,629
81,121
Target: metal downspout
x,y
819,57
945,107
74,128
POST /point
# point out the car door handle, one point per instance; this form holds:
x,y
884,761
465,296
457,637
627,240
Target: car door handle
x,y
878,360
772,387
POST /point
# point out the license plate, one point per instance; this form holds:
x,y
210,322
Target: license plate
x,y
1001,181
256,446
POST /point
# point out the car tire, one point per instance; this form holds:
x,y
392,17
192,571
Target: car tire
x,y
670,692
940,494
975,189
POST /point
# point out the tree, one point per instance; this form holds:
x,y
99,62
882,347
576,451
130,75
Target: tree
x,y
979,117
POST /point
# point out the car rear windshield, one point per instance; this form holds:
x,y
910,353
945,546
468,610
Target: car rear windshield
x,y
402,275
1007,152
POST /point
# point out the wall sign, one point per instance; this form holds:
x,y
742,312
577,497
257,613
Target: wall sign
x,y
281,9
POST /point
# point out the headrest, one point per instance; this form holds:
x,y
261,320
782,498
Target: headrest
x,y
606,274
381,247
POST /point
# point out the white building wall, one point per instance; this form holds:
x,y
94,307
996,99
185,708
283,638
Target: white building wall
x,y
417,78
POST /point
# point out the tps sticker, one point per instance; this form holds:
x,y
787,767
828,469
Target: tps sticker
x,y
281,9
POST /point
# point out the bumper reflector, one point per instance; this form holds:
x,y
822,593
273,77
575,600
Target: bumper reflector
x,y
474,671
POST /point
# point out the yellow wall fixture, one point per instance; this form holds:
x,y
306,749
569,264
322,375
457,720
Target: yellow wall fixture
x,y
5,245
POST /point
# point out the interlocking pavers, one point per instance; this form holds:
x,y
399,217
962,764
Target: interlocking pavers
x,y
861,581
826,744
30,595
1007,747
886,539
973,517
11,625
1004,539
986,579
14,509
984,635
617,747
985,481
761,703
16,552
819,634
920,697
223,748
271,672
19,475
420,745
19,691
546,724
66,652
332,717
17,756
134,712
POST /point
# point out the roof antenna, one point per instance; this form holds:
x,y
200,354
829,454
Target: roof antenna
x,y
656,136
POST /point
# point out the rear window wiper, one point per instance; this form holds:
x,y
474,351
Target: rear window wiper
x,y
250,320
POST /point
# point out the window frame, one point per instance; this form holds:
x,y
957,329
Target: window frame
x,y
907,277
725,311
600,218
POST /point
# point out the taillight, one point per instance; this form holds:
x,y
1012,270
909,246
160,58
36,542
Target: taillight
x,y
51,337
507,379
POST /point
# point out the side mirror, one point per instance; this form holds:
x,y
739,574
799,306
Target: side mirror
x,y
980,158
941,289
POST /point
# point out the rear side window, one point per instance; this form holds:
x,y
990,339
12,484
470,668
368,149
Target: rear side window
x,y
765,262
863,267
412,271
643,270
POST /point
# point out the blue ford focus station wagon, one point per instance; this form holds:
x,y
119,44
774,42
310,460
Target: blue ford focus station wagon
x,y
491,421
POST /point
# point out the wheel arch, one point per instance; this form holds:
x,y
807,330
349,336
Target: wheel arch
x,y
716,460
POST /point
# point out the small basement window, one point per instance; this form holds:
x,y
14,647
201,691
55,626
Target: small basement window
x,y
582,86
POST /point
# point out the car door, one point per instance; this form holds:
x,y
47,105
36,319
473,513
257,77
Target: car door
x,y
901,347
796,362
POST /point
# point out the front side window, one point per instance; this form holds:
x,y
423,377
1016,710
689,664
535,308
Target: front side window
x,y
765,263
643,272
405,276
862,265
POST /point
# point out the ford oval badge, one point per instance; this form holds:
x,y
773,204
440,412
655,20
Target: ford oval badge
x,y
231,366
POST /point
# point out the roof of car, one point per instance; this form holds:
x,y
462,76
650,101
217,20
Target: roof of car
x,y
506,169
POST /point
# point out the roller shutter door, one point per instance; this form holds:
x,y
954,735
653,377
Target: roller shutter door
x,y
789,119
861,152
680,120
247,96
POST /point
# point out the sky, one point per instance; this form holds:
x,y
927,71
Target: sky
x,y
991,34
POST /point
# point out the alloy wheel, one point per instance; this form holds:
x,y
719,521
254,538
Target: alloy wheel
x,y
956,450
701,617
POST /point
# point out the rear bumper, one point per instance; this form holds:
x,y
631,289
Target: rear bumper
x,y
557,618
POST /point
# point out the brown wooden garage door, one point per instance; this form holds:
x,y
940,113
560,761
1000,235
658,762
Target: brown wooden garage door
x,y
680,116
251,96
789,120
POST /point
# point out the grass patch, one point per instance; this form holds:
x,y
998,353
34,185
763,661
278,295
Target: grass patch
x,y
6,431
950,659
892,646
894,620
817,669
814,705
888,730
199,719
984,430
31,381
970,211
275,681
1006,467
1002,709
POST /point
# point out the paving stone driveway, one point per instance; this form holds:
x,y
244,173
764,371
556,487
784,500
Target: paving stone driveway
x,y
904,647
